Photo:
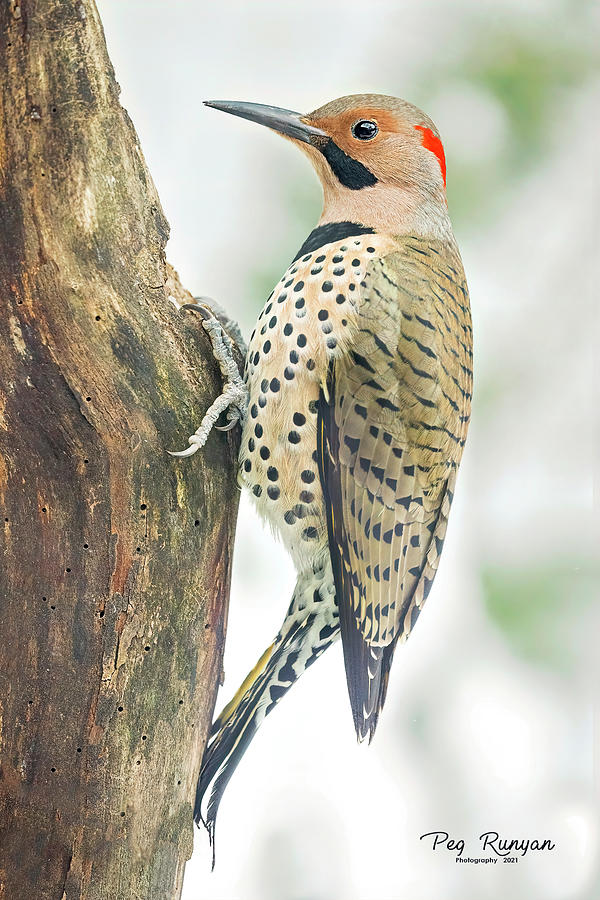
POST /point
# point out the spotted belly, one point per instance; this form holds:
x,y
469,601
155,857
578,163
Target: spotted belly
x,y
308,320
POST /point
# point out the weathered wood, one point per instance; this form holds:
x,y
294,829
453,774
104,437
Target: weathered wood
x,y
116,558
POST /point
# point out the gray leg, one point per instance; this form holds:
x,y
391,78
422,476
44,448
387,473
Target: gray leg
x,y
234,398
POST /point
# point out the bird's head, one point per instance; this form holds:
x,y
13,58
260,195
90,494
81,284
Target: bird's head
x,y
380,159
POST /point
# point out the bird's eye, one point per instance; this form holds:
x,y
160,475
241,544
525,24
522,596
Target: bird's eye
x,y
365,129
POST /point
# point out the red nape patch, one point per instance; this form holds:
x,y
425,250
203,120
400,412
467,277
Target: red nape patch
x,y
433,143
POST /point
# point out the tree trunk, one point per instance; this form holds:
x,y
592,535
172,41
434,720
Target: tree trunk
x,y
116,557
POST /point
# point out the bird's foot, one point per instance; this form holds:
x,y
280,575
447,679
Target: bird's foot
x,y
234,398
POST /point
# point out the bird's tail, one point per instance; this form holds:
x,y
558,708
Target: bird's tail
x,y
310,627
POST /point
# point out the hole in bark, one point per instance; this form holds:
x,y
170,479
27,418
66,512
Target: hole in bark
x,y
30,702
138,549
86,461
193,724
122,814
97,318
144,737
181,702
138,762
53,109
101,614
179,782
53,769
146,647
207,626
120,708
88,399
197,522
79,749
43,174
52,606
67,569
86,546
44,599
6,518
43,509
143,506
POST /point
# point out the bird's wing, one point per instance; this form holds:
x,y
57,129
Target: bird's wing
x,y
391,429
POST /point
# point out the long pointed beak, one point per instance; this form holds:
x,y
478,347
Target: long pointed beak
x,y
283,120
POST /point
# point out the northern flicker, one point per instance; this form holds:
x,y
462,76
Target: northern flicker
x,y
354,407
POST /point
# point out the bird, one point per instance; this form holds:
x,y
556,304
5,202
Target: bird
x,y
354,407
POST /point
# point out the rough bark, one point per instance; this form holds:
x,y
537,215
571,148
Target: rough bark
x,y
116,558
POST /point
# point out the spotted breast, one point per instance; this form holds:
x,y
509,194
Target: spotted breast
x,y
308,321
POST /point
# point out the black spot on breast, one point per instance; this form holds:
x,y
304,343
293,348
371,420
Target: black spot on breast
x,y
272,473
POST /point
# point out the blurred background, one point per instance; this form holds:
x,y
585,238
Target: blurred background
x,y
490,721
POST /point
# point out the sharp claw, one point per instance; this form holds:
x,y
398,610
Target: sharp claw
x,y
196,307
229,425
189,451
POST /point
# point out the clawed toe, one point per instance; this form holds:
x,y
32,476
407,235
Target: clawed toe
x,y
234,398
204,311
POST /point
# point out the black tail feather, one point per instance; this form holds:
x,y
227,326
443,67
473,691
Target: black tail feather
x,y
235,730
